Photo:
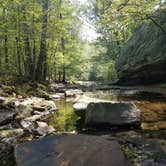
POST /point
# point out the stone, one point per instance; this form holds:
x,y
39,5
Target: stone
x,y
2,100
25,124
70,150
73,92
113,114
54,96
6,116
28,101
45,105
45,130
11,136
11,133
39,108
42,124
23,111
45,113
82,101
6,154
33,118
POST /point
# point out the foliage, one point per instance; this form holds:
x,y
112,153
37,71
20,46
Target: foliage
x,y
31,39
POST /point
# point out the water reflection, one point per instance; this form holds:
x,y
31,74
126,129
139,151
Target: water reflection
x,y
64,119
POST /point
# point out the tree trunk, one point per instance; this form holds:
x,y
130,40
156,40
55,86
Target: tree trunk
x,y
18,56
41,70
6,51
28,62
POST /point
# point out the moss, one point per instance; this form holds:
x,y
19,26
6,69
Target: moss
x,y
130,152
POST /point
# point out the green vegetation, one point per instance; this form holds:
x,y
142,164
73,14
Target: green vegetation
x,y
40,40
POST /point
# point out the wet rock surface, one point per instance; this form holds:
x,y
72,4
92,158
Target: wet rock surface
x,y
71,150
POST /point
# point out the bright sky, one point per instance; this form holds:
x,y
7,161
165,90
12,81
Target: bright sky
x,y
88,32
82,1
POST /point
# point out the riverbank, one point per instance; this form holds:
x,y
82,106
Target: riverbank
x,y
143,146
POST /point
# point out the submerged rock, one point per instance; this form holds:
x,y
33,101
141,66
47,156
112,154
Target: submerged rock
x,y
71,150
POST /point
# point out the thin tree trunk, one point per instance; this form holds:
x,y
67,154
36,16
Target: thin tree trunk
x,y
6,51
59,76
41,70
63,49
28,63
18,56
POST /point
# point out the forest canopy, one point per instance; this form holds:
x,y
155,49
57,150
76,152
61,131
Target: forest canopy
x,y
41,39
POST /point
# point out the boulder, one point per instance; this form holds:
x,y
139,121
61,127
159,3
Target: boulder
x,y
23,111
70,150
112,114
28,101
2,100
44,129
9,133
96,112
45,105
33,118
82,101
6,116
55,96
6,154
73,92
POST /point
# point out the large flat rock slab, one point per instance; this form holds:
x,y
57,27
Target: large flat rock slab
x,y
70,150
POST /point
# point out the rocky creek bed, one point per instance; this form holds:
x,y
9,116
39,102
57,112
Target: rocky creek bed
x,y
137,130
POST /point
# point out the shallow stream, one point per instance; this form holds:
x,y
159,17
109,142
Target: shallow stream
x,y
152,106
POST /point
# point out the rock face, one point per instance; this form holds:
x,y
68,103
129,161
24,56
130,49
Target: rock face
x,y
115,114
143,58
70,150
